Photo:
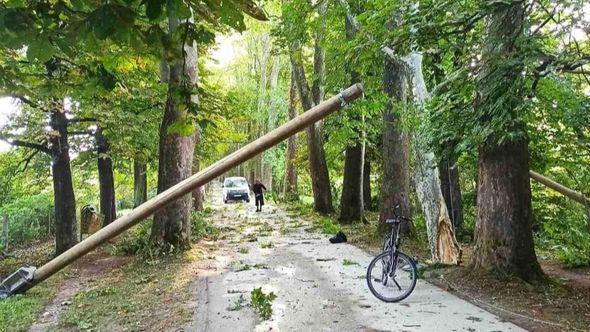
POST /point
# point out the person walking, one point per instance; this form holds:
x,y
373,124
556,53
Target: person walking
x,y
258,189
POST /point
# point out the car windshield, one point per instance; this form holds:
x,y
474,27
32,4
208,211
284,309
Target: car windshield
x,y
234,183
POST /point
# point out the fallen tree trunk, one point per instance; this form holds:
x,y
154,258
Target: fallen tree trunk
x,y
565,191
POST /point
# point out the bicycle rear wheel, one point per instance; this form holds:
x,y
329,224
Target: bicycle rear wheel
x,y
392,276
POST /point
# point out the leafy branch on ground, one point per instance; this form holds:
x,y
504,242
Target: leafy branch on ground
x,y
262,302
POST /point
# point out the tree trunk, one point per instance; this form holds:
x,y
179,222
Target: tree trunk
x,y
351,186
351,201
367,185
318,168
395,179
66,226
171,226
451,189
139,183
290,188
199,193
106,179
503,231
441,236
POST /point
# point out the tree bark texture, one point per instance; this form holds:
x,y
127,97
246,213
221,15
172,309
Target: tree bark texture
x,y
171,224
503,231
106,179
451,189
395,179
139,183
66,226
441,235
367,185
199,193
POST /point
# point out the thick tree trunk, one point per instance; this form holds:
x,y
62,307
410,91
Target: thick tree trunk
x,y
503,231
503,234
451,189
290,188
318,168
106,179
171,226
367,185
139,183
66,226
395,179
441,235
351,186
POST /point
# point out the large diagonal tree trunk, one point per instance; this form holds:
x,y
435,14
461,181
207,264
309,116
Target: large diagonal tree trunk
x,y
318,168
503,232
171,226
106,179
139,183
395,179
441,236
66,226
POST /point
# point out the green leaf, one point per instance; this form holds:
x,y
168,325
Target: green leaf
x,y
154,9
183,127
40,49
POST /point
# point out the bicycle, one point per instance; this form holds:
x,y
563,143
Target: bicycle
x,y
397,272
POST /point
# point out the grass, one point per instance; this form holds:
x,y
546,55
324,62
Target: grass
x,y
17,313
243,250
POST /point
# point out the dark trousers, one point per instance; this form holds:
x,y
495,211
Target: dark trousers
x,y
259,201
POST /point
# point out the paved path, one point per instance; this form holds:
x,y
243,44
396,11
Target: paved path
x,y
315,291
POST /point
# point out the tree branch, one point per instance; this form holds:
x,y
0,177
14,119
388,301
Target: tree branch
x,y
79,120
25,144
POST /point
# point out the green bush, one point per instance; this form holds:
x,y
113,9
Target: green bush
x,y
202,227
30,218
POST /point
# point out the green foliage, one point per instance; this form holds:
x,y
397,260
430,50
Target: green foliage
x,y
30,218
202,227
17,312
348,262
262,302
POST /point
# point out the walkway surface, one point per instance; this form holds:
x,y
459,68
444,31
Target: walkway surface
x,y
315,290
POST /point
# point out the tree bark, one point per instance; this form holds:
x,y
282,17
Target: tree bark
x,y
451,189
441,236
139,183
318,168
395,179
106,179
351,186
367,185
351,202
66,226
503,230
171,226
199,193
290,188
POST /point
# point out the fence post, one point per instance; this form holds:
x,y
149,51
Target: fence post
x,y
5,233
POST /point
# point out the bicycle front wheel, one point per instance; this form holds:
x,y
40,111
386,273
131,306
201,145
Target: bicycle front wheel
x,y
391,276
